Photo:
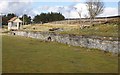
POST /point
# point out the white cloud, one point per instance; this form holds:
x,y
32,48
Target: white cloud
x,y
14,7
21,8
70,12
67,11
56,0
109,12
3,6
74,14
81,7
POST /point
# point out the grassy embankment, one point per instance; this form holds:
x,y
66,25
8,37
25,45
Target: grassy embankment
x,y
97,30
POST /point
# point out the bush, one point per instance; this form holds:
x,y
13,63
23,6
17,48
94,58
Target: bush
x,y
48,17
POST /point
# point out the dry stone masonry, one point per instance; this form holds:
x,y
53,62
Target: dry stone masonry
x,y
104,43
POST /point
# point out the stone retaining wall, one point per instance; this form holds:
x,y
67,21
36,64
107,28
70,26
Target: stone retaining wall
x,y
103,43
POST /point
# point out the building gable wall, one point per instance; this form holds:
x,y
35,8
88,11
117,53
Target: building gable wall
x,y
14,24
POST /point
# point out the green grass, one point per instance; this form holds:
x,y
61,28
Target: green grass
x,y
98,30
108,30
26,55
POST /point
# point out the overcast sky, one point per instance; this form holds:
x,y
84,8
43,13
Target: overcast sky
x,y
65,7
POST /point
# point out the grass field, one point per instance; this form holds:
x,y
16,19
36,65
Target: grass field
x,y
99,30
110,30
26,55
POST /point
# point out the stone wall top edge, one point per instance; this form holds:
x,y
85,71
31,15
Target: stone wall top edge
x,y
73,35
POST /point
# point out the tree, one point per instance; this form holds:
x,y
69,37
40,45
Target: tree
x,y
79,13
26,18
7,17
36,19
48,17
95,7
10,15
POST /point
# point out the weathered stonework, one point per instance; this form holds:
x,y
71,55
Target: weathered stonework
x,y
110,45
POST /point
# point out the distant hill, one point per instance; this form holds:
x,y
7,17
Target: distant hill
x,y
95,18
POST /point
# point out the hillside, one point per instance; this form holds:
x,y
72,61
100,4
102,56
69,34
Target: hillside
x,y
98,20
100,27
109,29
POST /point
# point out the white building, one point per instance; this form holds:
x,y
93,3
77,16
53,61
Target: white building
x,y
14,24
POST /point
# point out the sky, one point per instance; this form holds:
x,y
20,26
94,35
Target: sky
x,y
66,7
